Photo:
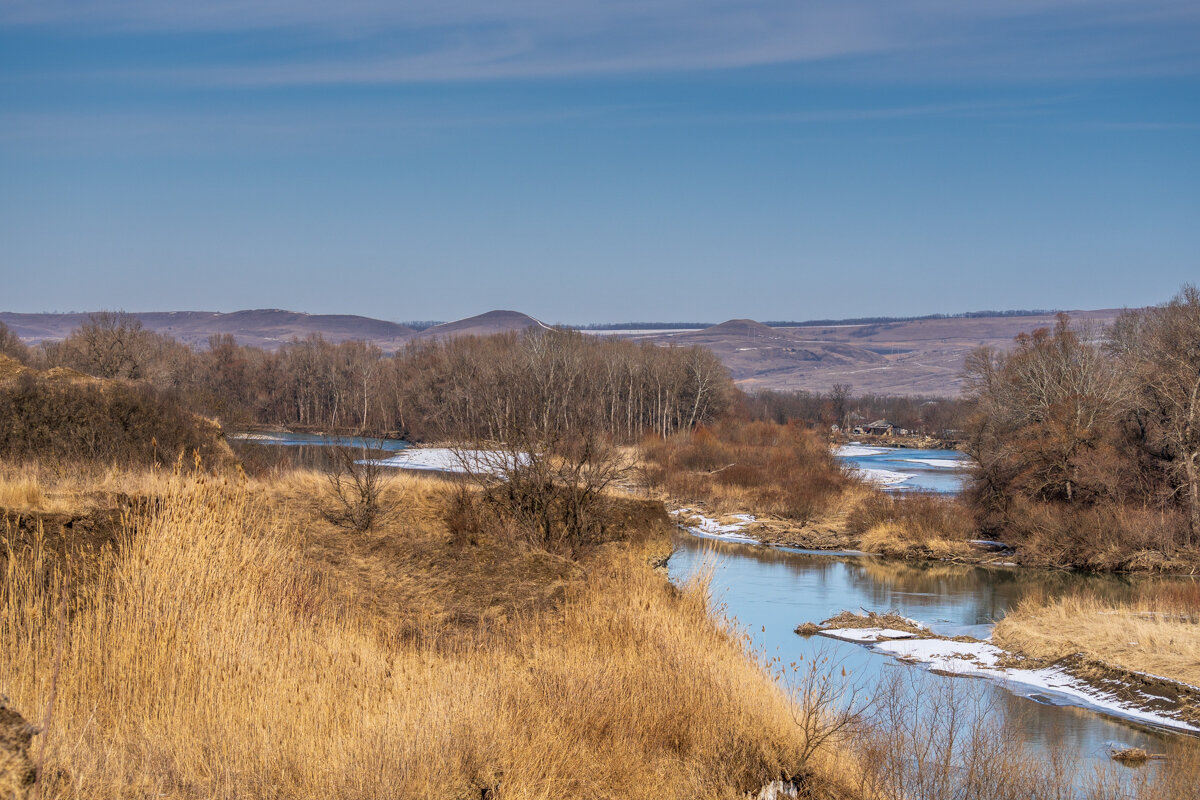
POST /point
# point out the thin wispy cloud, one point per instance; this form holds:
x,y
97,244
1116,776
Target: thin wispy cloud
x,y
373,42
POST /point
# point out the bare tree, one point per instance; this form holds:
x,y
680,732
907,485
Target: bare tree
x,y
830,705
11,345
540,447
1043,409
1161,348
839,396
110,344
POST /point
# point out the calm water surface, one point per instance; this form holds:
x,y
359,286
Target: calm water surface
x,y
939,471
769,591
261,452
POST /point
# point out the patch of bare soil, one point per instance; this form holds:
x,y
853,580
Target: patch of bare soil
x,y
17,772
61,534
823,534
1150,692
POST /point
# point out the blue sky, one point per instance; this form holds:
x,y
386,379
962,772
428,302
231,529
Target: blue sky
x,y
587,161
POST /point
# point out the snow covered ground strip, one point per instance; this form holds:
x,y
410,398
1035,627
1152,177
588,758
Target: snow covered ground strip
x,y
944,463
443,459
979,660
254,437
853,449
706,526
883,477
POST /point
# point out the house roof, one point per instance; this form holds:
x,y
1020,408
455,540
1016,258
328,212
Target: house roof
x,y
882,423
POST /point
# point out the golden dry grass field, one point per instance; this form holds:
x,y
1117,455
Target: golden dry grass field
x,y
1158,633
222,640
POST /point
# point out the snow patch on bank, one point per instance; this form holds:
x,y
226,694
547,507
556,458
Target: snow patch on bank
x,y
443,459
700,525
866,635
882,477
944,463
981,660
854,450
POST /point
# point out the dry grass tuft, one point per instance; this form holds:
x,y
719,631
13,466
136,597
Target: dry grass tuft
x,y
10,367
1157,633
27,489
21,494
892,619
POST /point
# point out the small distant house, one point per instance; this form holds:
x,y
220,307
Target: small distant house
x,y
880,427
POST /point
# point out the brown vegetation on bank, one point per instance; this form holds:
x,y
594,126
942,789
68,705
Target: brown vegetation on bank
x,y
789,479
233,643
914,526
1087,442
763,468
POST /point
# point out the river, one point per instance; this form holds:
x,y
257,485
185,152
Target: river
x,y
768,591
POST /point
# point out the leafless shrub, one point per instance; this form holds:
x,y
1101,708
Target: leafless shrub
x,y
12,346
947,741
551,484
959,740
778,469
357,481
531,436
830,707
44,416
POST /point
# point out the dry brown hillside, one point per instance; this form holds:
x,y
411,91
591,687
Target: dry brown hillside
x,y
900,358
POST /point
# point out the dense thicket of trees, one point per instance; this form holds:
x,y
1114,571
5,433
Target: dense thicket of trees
x,y
67,421
488,388
434,388
11,345
1084,432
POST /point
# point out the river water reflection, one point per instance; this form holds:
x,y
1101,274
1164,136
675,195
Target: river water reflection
x,y
771,590
263,452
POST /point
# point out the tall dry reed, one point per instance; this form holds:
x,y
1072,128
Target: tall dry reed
x,y
205,658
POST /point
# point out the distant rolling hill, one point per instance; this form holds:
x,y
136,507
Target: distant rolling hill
x,y
905,357
269,328
488,324
756,354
